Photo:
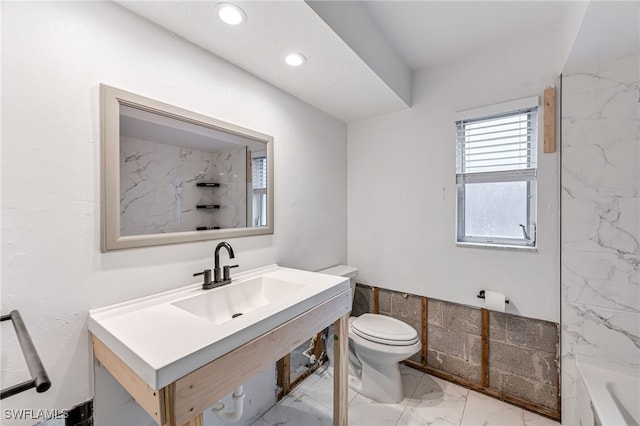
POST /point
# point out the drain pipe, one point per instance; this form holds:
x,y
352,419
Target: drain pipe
x,y
311,348
238,404
312,357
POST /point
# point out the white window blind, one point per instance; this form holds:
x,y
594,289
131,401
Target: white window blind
x,y
497,148
259,171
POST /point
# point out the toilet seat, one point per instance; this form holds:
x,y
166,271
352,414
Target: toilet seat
x,y
384,330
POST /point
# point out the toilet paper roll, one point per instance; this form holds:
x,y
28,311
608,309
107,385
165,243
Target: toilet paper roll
x,y
494,301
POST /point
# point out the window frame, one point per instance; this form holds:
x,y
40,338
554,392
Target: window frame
x,y
259,194
529,175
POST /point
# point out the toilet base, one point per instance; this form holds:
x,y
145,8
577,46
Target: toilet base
x,y
382,382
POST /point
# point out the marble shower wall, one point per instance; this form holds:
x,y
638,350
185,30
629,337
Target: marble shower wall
x,y
158,191
600,218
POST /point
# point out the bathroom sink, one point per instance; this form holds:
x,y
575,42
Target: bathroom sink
x,y
166,336
232,301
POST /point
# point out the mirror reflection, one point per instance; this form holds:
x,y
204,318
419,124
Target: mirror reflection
x,y
176,176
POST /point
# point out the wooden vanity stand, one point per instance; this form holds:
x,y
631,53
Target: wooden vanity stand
x,y
183,401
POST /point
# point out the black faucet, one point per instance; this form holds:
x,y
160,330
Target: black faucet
x,y
224,278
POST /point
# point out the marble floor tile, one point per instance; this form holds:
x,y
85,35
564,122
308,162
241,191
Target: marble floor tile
x,y
531,419
261,422
434,402
320,390
485,410
364,411
297,410
428,401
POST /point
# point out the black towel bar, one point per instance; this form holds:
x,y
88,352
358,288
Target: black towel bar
x,y
40,379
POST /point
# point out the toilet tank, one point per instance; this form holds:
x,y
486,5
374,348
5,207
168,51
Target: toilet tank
x,y
344,271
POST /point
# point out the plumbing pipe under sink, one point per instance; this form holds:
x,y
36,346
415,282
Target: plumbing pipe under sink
x,y
238,405
312,346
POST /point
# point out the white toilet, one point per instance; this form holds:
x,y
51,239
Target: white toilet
x,y
377,343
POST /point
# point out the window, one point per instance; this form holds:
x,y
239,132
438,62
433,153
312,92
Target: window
x,y
496,156
259,176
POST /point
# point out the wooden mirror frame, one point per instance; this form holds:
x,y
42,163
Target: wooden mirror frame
x,y
110,101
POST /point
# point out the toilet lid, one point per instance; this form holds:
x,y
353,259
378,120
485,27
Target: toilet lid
x,y
384,329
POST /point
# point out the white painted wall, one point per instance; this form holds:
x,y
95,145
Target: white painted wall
x,y
401,174
54,56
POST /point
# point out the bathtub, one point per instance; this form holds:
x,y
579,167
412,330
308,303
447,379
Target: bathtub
x,y
607,394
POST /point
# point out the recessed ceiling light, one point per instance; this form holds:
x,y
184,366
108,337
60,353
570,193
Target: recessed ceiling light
x,y
295,59
230,13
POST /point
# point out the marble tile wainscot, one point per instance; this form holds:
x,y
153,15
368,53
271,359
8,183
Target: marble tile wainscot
x,y
518,362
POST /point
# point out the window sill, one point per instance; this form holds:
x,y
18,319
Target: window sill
x,y
497,246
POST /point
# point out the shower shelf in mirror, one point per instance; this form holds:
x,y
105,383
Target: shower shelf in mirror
x,y
208,206
208,184
207,228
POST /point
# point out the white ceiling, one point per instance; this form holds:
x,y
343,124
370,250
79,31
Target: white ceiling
x,y
334,79
426,33
609,30
360,54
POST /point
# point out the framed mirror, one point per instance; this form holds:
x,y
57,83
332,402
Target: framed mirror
x,y
170,175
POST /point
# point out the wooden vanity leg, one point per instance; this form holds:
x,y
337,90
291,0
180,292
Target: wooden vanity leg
x,y
340,371
168,401
196,421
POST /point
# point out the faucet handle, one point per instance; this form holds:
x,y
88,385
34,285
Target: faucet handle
x,y
226,272
206,283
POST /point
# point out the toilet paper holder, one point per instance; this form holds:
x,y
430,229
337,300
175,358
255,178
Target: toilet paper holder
x,y
481,296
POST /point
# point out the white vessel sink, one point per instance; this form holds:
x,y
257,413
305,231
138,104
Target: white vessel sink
x,y
166,336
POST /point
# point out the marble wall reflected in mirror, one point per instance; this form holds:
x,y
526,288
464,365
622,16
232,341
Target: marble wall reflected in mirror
x,y
171,175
